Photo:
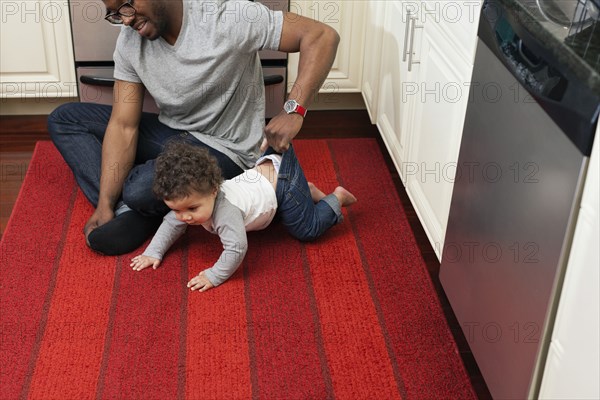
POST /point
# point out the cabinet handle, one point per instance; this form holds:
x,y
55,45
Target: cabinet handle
x,y
406,31
110,82
97,80
272,79
412,43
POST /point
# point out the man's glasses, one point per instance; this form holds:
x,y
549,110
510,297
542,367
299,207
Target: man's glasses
x,y
124,10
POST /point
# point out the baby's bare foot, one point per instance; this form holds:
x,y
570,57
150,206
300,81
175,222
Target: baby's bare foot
x,y
315,193
344,197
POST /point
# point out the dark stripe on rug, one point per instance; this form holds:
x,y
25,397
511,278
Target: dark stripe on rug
x,y
283,341
181,371
329,393
71,350
426,354
47,301
353,341
255,387
27,260
151,345
369,277
217,356
109,329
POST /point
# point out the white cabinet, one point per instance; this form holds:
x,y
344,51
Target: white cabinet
x,y
36,50
439,97
572,367
347,18
422,92
373,42
457,20
394,111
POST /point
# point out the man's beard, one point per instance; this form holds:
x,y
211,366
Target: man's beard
x,y
159,10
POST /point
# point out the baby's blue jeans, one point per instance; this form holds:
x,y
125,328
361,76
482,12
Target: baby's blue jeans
x,y
304,219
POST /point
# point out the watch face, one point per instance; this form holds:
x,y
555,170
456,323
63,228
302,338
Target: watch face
x,y
290,106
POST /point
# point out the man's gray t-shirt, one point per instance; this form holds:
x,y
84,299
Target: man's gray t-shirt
x,y
210,81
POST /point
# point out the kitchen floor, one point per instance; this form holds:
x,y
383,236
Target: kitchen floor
x,y
18,135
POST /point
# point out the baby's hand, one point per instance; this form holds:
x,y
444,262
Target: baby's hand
x,y
140,262
200,282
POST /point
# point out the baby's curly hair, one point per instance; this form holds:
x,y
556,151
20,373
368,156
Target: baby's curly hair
x,y
183,168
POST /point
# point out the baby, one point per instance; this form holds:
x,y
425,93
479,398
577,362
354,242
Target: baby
x,y
189,181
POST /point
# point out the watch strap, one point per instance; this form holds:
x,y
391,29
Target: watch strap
x,y
292,106
301,110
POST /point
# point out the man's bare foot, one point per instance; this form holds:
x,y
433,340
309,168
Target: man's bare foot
x,y
315,193
344,197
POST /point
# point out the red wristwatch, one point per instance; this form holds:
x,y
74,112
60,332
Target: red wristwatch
x,y
292,106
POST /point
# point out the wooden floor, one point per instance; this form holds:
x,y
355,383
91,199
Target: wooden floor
x,y
18,135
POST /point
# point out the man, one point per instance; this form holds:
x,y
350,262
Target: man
x,y
198,59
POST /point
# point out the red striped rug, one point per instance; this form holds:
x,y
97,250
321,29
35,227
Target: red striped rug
x,y
351,316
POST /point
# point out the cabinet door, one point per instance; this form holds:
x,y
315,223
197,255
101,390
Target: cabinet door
x,y
36,50
374,18
440,101
395,108
458,21
347,18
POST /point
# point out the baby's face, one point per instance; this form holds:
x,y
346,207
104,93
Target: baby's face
x,y
195,209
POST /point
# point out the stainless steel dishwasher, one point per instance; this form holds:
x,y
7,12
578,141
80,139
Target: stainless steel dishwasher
x,y
527,137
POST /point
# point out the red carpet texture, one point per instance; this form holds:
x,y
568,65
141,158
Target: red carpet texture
x,y
351,316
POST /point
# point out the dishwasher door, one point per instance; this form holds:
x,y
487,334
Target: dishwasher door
x,y
517,183
516,194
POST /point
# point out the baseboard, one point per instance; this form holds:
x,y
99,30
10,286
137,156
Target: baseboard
x,y
33,106
338,101
323,101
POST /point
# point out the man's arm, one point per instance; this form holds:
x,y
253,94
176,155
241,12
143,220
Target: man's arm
x,y
118,149
317,44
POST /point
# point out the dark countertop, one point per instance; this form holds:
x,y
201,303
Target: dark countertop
x,y
580,53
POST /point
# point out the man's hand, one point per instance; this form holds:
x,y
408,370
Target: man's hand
x,y
98,218
140,262
200,282
280,131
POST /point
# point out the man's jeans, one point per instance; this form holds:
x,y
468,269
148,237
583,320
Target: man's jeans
x,y
77,130
303,219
